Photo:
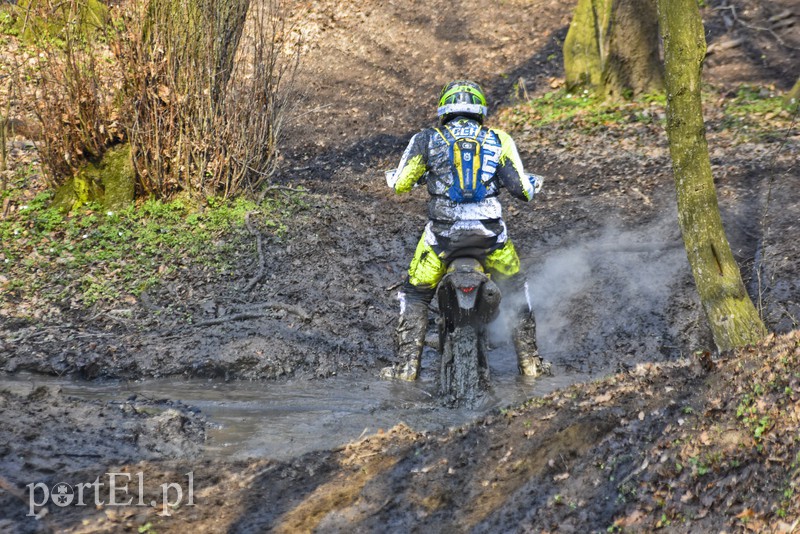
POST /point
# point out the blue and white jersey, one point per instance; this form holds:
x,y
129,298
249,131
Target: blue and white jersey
x,y
427,159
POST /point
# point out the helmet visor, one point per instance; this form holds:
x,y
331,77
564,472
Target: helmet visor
x,y
462,93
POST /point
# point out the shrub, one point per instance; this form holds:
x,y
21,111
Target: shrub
x,y
208,84
74,97
198,87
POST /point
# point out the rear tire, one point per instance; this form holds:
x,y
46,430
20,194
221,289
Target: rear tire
x,y
461,374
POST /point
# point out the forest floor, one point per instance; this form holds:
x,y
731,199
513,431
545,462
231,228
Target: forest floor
x,y
663,438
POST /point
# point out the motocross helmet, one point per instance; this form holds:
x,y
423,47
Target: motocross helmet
x,y
462,98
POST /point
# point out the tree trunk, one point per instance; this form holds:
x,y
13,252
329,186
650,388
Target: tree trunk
x,y
792,98
612,45
733,318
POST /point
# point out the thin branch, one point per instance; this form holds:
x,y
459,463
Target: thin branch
x,y
260,246
777,37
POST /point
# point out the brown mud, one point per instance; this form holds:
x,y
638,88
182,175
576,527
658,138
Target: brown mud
x,y
600,246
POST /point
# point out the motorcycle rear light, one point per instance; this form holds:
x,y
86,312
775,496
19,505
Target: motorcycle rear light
x,y
467,289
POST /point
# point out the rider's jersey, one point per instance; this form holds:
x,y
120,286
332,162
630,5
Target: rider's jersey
x,y
427,158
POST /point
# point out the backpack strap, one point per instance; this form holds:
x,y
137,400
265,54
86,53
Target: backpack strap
x,y
480,137
482,134
466,169
447,135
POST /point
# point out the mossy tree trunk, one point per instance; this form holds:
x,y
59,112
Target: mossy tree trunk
x,y
612,46
733,318
792,98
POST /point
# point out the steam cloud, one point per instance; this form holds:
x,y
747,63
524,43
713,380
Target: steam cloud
x,y
607,294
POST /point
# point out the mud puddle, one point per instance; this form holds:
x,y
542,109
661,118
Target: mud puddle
x,y
285,419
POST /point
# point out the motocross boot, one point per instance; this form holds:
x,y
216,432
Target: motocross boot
x,y
523,332
410,339
524,335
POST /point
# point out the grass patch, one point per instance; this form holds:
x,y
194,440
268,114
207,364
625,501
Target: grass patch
x,y
750,101
74,261
756,113
750,112
585,111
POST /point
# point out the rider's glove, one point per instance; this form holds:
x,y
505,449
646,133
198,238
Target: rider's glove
x,y
389,174
536,181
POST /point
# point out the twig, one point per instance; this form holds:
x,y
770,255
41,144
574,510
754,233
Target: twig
x,y
244,316
777,37
230,318
286,188
395,286
273,187
5,120
25,23
725,45
260,245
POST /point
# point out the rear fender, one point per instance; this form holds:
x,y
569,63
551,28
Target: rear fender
x,y
467,288
466,295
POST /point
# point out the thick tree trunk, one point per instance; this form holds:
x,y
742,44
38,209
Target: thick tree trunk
x,y
612,45
733,318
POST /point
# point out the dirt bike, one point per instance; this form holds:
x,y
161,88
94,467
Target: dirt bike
x,y
468,301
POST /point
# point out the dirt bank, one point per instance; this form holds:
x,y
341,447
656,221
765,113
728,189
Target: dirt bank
x,y
688,446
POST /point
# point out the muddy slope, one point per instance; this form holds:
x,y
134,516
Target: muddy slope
x,y
679,446
663,446
600,245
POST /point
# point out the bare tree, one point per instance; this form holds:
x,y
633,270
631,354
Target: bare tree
x,y
612,45
731,314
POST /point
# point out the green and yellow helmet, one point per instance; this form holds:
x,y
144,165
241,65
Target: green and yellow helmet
x,y
463,98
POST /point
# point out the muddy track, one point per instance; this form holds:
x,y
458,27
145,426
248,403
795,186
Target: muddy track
x,y
600,245
599,242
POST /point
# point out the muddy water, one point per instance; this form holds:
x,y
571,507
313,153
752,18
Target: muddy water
x,y
283,419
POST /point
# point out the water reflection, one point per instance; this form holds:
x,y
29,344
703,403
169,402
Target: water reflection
x,y
288,418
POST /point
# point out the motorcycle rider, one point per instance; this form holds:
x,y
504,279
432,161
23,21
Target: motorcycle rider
x,y
452,220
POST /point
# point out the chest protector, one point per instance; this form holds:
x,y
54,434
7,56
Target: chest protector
x,y
467,156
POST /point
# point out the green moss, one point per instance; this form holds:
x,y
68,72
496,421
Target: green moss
x,y
110,182
65,198
583,60
32,26
118,178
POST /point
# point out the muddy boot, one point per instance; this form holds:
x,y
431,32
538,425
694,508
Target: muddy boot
x,y
411,330
524,336
524,329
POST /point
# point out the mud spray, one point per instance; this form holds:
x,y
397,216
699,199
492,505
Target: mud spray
x,y
609,294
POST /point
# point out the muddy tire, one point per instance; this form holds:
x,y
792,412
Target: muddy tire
x,y
460,380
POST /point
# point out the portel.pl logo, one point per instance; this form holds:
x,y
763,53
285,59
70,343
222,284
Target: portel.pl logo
x,y
117,489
